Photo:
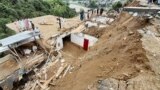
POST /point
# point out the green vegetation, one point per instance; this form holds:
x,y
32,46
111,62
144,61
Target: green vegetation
x,y
93,4
11,10
117,5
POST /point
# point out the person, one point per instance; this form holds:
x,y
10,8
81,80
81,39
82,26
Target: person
x,y
101,11
82,15
149,1
97,11
32,25
92,11
88,14
59,22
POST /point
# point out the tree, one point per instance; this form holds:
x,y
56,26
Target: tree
x,y
117,5
93,4
3,22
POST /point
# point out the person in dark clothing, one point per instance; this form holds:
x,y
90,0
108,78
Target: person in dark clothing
x,y
82,15
101,11
59,22
33,26
92,11
149,1
97,11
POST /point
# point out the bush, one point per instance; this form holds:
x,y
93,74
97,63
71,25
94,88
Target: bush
x,y
93,4
3,22
117,5
63,11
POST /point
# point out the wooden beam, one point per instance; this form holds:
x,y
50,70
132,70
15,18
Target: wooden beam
x,y
65,72
17,54
60,70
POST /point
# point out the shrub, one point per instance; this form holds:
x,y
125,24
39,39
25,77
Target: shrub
x,y
93,4
117,5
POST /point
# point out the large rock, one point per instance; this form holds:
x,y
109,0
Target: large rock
x,y
108,84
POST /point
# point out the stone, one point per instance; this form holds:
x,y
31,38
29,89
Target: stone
x,y
130,33
27,51
135,14
108,84
131,13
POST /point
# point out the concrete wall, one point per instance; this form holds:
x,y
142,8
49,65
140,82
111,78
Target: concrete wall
x,y
59,43
92,40
79,39
76,39
59,40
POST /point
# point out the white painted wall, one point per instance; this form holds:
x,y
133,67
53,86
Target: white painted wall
x,y
92,40
59,43
78,39
59,40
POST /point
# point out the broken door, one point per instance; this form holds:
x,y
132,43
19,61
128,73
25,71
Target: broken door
x,y
86,44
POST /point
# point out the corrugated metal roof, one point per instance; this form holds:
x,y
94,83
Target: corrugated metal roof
x,y
16,38
2,49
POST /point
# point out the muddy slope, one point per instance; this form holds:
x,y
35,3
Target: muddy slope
x,y
118,54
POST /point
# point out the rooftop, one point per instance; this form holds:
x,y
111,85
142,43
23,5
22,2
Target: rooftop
x,y
51,26
16,38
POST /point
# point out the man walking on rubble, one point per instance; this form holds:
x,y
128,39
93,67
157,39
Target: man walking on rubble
x,y
59,22
32,25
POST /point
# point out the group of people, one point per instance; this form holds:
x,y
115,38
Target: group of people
x,y
24,24
90,13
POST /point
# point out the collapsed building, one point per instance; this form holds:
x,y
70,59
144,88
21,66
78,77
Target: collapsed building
x,y
17,62
26,50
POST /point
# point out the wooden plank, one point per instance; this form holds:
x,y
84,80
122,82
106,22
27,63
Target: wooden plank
x,y
65,72
60,70
46,83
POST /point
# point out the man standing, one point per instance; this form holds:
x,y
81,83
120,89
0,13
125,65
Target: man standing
x,y
92,11
59,22
101,11
32,25
97,11
82,15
